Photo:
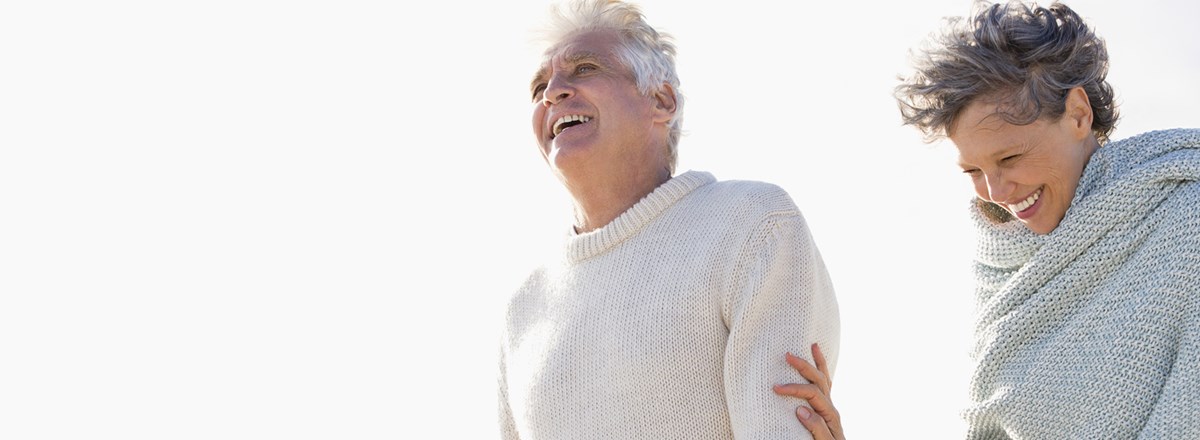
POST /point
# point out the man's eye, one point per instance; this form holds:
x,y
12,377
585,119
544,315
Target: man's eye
x,y
583,68
971,172
537,92
1009,159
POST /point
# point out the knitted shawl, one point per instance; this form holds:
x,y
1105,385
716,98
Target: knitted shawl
x,y
1093,330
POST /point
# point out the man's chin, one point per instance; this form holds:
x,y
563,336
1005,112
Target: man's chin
x,y
566,155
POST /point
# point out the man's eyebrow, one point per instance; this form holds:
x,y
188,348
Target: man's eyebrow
x,y
573,58
577,57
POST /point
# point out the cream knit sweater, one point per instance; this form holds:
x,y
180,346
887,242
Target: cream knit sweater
x,y
671,322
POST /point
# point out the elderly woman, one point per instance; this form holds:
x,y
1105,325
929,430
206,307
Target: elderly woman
x,y
1088,253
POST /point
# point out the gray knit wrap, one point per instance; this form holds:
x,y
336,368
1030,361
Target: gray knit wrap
x,y
1093,331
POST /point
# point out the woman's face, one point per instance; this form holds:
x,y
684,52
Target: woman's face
x,y
1030,170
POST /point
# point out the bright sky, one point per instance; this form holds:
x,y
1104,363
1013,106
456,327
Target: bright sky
x,y
264,219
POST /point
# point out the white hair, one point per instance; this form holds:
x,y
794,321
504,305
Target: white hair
x,y
649,54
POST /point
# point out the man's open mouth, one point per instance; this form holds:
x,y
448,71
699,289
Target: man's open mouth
x,y
566,122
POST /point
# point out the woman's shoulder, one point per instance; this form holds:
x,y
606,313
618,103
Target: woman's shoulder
x,y
1181,135
1184,202
1149,145
1177,218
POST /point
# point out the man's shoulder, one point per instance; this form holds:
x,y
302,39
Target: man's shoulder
x,y
746,195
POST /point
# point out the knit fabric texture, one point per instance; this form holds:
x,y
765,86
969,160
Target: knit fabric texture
x,y
670,322
1093,330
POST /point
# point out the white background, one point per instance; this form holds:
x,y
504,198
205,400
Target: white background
x,y
264,219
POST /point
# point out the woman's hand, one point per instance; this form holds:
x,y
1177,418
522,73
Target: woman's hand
x,y
826,424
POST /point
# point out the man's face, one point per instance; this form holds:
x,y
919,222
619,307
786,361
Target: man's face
x,y
588,114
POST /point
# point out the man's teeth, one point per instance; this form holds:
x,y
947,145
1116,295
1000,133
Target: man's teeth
x,y
559,125
1027,202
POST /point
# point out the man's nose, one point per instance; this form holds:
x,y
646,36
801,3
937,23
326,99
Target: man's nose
x,y
557,90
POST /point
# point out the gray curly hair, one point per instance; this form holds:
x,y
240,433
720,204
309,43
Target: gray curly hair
x,y
1024,56
648,53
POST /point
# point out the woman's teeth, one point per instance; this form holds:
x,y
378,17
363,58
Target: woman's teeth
x,y
1027,202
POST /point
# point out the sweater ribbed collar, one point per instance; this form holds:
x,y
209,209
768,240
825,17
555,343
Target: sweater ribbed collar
x,y
586,245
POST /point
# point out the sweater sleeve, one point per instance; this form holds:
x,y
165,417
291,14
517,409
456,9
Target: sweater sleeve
x,y
508,429
780,299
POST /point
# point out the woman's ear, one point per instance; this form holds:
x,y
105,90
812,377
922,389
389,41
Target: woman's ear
x,y
1078,112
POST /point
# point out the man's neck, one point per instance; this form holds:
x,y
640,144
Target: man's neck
x,y
600,201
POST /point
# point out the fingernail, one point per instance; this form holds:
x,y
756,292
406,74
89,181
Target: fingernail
x,y
803,412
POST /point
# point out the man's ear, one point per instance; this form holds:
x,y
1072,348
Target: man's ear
x,y
664,103
1077,112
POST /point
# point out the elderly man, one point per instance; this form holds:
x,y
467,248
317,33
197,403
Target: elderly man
x,y
672,302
